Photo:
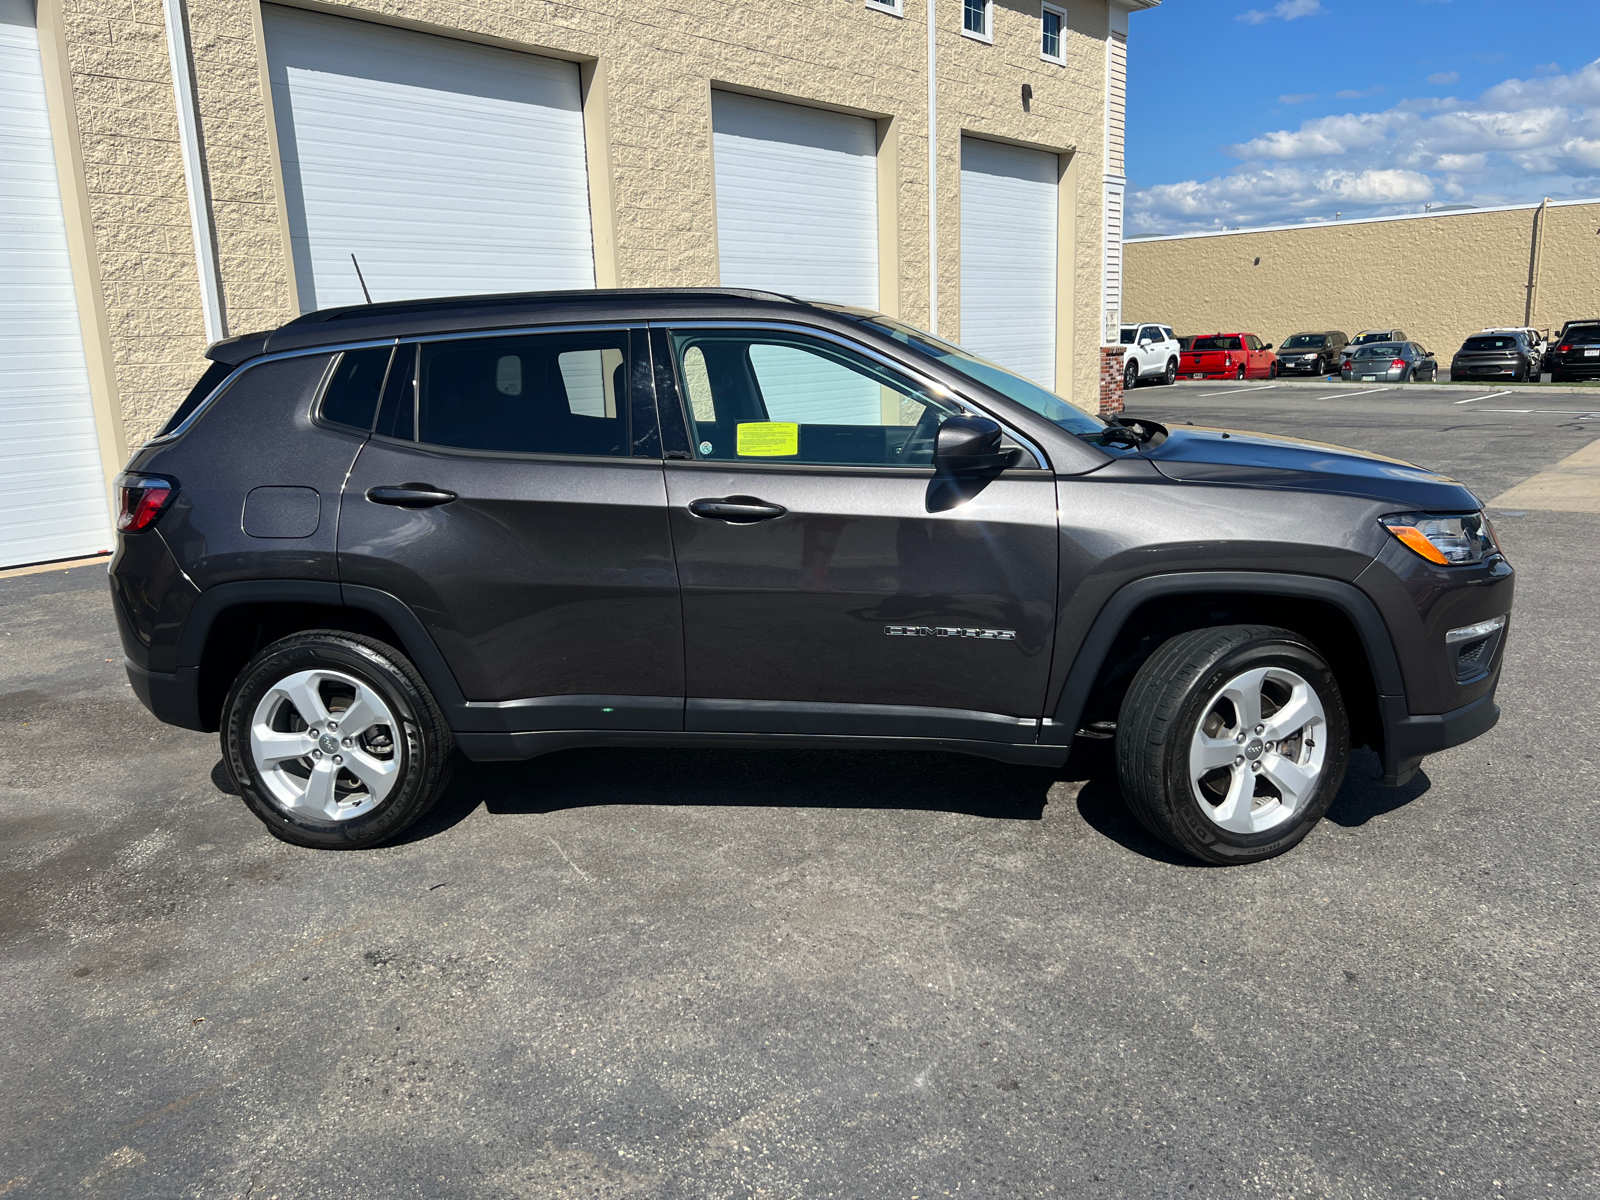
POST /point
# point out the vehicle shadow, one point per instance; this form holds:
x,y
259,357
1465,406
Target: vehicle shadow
x,y
1363,797
587,778
1103,809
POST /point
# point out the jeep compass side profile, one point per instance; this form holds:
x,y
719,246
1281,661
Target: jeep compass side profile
x,y
507,525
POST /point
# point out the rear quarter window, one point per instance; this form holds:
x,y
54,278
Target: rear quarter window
x,y
208,383
351,397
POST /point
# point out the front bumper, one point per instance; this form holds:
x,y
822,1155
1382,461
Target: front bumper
x,y
1287,367
1408,739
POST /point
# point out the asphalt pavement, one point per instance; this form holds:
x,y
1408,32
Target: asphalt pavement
x,y
641,973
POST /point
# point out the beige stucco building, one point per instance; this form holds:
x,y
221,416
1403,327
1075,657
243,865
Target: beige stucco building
x,y
1439,276
219,161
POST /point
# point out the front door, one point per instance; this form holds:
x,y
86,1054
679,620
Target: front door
x,y
831,582
512,497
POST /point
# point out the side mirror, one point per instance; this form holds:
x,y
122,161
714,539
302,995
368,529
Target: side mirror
x,y
1268,346
970,446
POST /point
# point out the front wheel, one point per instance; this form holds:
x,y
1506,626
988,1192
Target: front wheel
x,y
334,740
1272,371
1130,376
1232,742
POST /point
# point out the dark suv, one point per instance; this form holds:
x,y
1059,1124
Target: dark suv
x,y
1576,353
1312,353
508,525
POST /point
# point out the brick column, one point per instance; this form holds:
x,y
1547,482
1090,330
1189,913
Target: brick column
x,y
1111,380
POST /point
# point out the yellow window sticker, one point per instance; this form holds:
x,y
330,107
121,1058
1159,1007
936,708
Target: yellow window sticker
x,y
768,439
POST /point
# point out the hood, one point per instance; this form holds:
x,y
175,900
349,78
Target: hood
x,y
1197,454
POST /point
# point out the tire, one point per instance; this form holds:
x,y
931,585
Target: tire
x,y
1406,376
305,681
1176,704
1130,375
1239,374
1272,371
1170,376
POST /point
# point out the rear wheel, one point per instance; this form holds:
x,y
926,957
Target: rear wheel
x,y
1232,742
1171,374
1239,374
1130,375
334,740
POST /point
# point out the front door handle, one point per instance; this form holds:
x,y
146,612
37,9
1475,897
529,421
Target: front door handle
x,y
410,495
740,510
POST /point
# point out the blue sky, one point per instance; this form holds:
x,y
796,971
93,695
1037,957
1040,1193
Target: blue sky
x,y
1249,112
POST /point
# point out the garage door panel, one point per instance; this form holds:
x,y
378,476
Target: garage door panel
x,y
52,493
446,167
1008,256
797,199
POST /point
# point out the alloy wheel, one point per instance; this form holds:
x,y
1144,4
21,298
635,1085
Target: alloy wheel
x,y
325,745
1257,754
1130,376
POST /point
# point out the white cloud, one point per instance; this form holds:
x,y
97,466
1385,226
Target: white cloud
x,y
1518,141
1284,10
1297,98
1442,77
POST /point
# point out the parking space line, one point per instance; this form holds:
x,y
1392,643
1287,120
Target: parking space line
x,y
1475,399
1232,391
1565,412
1368,392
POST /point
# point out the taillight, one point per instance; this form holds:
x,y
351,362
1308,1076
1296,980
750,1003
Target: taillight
x,y
141,499
1399,362
1227,360
1564,349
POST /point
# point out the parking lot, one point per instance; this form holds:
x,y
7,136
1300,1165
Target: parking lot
x,y
637,973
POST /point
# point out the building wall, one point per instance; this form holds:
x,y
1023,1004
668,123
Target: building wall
x,y
648,68
1440,277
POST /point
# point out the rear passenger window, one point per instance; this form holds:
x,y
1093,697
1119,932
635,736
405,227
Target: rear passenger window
x,y
352,395
548,393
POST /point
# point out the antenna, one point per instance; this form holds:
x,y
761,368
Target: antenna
x,y
362,278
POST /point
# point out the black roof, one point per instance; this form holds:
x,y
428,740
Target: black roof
x,y
458,314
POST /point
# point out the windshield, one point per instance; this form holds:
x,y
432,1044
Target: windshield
x,y
1215,343
1380,350
1306,341
1009,384
1490,343
1373,337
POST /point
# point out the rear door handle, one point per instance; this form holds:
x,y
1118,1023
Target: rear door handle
x,y
740,510
410,495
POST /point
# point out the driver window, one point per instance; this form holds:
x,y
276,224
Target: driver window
x,y
756,397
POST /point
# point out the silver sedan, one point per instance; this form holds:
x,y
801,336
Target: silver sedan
x,y
1389,362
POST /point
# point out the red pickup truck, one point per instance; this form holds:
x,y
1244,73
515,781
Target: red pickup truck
x,y
1229,356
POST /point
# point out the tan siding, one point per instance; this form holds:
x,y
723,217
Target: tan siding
x,y
1439,277
660,60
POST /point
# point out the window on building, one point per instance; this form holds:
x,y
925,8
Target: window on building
x,y
977,19
894,8
1053,35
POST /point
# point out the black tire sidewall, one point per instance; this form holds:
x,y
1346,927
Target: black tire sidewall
x,y
1130,376
1197,829
310,652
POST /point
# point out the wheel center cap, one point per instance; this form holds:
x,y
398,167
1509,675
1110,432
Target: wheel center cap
x,y
329,743
1254,750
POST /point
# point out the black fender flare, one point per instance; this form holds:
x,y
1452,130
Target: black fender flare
x,y
415,640
1346,597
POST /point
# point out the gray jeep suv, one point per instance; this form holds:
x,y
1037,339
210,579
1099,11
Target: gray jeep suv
x,y
506,525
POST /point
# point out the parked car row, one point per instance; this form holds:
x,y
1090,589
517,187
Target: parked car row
x,y
1517,354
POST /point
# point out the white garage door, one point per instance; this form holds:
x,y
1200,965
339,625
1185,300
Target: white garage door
x,y
797,199
1008,257
52,493
445,167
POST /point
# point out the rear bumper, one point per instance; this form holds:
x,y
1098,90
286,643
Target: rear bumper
x,y
173,697
1408,739
1589,367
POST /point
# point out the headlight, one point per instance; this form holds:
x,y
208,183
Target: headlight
x,y
1449,539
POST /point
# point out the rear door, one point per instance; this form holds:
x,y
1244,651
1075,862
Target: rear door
x,y
831,584
512,498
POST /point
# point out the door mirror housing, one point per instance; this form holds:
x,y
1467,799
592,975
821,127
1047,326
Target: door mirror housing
x,y
969,445
1268,346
